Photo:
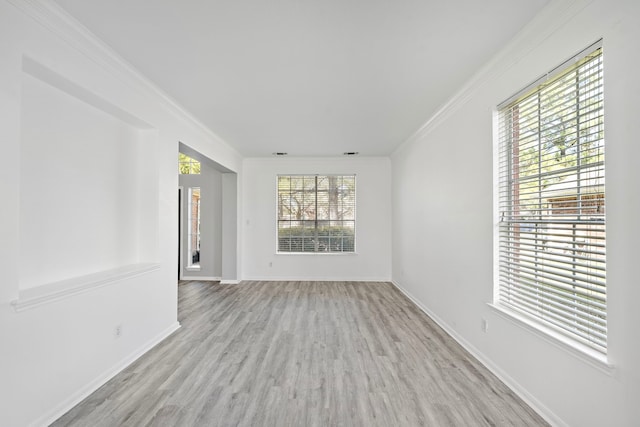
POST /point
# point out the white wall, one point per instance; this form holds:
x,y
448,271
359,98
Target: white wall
x,y
230,228
442,186
373,222
74,120
76,148
443,218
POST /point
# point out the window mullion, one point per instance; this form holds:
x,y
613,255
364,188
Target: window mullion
x,y
316,240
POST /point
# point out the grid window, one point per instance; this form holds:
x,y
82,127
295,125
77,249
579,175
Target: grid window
x,y
552,202
187,165
316,213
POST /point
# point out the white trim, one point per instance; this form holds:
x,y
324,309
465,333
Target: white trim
x,y
527,397
203,278
229,282
55,291
181,248
584,353
315,279
99,381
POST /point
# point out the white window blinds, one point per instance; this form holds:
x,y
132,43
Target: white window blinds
x,y
316,213
552,202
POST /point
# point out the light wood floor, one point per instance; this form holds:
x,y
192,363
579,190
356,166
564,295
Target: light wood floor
x,y
303,354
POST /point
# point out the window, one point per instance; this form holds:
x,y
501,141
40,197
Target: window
x,y
316,213
194,215
552,202
187,165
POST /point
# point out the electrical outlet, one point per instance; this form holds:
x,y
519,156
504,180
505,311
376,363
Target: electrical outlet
x,y
485,325
270,264
118,331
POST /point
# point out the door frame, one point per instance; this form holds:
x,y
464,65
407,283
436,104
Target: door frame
x,y
180,230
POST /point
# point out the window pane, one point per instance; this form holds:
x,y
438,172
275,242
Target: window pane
x,y
311,210
187,165
552,204
194,215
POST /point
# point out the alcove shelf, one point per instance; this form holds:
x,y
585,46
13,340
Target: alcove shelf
x,y
54,291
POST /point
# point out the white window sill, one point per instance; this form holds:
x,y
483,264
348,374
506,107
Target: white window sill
x,y
193,268
50,292
576,349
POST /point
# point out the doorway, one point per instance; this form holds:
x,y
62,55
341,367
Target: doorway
x,y
207,224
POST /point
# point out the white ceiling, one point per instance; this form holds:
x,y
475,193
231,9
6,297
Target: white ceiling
x,y
308,77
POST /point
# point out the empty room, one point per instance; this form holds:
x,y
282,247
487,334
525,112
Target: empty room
x,y
319,213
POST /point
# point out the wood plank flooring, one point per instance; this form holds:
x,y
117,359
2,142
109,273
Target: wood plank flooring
x,y
303,354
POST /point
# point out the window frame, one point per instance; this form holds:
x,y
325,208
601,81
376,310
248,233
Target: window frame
x,y
594,348
194,236
353,221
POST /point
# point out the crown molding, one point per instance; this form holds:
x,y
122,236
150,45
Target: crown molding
x,y
54,18
549,20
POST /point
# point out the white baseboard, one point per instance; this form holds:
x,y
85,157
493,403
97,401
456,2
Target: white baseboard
x,y
203,278
299,279
316,279
77,397
527,397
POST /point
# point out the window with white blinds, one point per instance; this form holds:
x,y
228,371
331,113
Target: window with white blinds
x,y
552,235
316,213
